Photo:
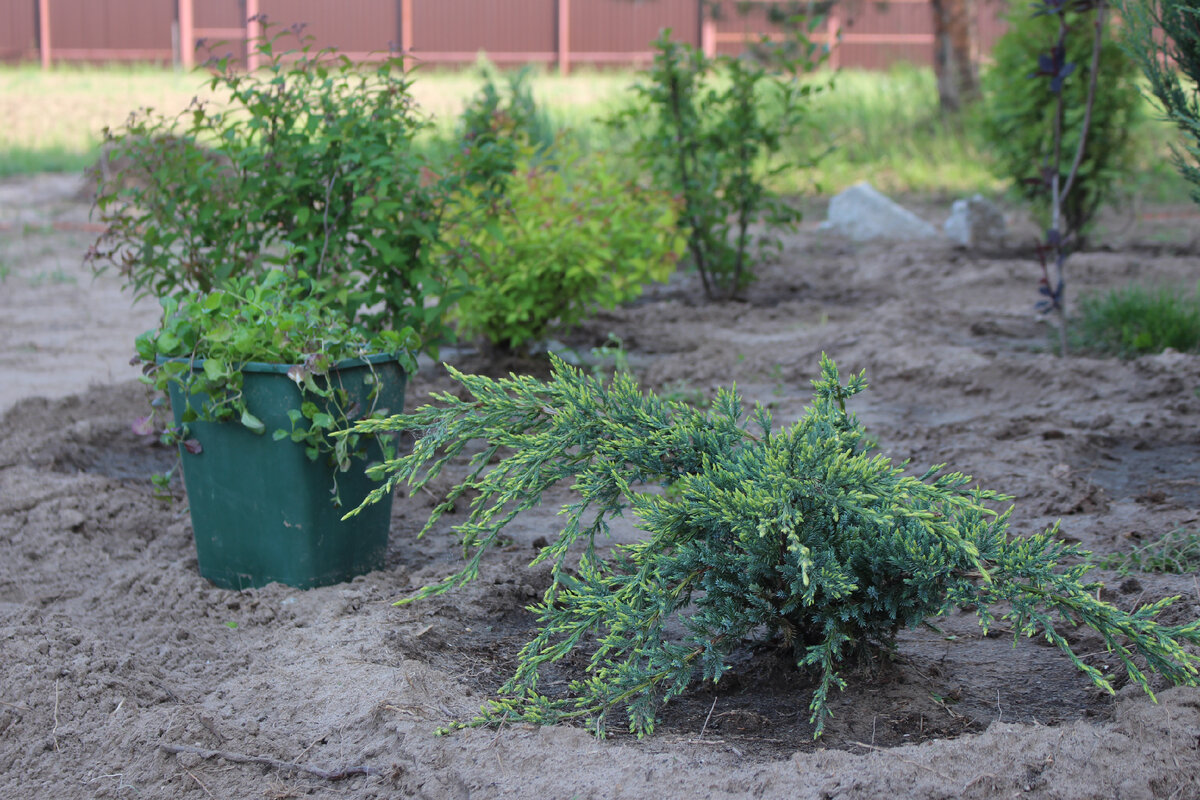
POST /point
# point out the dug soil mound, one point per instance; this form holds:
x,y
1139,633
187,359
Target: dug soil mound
x,y
124,674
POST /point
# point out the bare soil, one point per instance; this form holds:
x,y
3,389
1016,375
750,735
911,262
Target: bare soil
x,y
115,654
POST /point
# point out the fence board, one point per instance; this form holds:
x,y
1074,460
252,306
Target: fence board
x,y
455,31
111,30
620,31
358,27
18,32
875,35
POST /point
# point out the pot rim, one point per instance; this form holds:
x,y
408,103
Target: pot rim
x,y
282,369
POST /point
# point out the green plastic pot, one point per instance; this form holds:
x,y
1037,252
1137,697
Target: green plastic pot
x,y
262,511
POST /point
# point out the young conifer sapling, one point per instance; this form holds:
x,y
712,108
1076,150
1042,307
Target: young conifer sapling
x,y
1055,67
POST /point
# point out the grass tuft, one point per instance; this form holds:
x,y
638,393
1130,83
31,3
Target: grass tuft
x,y
1137,320
1177,553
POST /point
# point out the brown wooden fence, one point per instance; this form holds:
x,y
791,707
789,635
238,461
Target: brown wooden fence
x,y
872,34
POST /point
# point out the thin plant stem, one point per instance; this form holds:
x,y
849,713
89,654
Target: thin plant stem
x,y
684,151
1101,9
1060,189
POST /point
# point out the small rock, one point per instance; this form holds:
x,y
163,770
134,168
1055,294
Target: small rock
x,y
975,221
72,519
862,214
1130,586
557,348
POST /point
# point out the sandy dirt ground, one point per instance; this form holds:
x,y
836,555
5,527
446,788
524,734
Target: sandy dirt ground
x,y
113,649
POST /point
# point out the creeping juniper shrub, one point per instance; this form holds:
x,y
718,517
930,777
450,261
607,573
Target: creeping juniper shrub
x,y
801,532
716,127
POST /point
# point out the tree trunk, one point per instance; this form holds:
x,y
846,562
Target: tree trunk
x,y
953,54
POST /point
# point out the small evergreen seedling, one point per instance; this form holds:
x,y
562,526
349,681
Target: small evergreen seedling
x,y
1063,135
1163,36
804,533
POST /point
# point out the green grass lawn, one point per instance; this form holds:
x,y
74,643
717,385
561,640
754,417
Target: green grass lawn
x,y
54,120
881,127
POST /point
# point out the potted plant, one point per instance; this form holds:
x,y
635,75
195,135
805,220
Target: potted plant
x,y
290,228
261,375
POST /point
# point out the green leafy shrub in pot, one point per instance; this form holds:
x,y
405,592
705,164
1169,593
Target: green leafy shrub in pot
x,y
262,375
567,235
803,533
1018,118
308,164
205,340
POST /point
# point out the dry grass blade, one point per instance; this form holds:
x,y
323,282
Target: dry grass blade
x,y
240,758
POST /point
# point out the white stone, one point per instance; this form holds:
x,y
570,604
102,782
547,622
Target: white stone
x,y
975,221
862,214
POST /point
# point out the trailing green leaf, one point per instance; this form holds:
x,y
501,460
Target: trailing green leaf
x,y
804,533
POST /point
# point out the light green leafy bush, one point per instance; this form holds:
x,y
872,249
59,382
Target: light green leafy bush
x,y
803,534
568,234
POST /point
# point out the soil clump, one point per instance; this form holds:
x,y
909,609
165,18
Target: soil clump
x,y
112,646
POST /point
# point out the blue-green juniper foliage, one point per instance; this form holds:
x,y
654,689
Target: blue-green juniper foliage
x,y
803,532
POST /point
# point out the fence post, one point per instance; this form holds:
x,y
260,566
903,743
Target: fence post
x,y
564,37
834,34
708,34
43,12
253,32
406,28
187,34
